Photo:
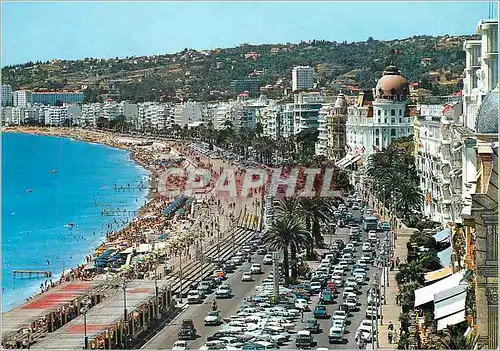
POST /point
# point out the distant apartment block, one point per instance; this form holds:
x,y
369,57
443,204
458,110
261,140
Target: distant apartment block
x,y
52,97
22,98
302,78
252,86
56,115
6,95
187,113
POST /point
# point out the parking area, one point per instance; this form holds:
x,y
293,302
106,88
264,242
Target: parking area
x,y
336,305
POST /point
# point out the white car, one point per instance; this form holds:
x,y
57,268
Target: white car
x,y
180,345
256,268
340,315
352,303
223,291
367,247
372,311
193,296
302,304
338,281
213,318
315,287
366,258
246,277
268,259
338,270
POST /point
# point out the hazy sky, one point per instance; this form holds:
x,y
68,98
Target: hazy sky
x,y
71,30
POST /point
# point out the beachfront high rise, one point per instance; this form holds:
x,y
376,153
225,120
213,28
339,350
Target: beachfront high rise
x,y
187,113
6,95
56,115
302,78
22,98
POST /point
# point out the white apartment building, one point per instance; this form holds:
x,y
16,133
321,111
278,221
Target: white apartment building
x,y
271,118
21,98
373,124
6,115
321,146
479,120
481,70
6,95
187,113
306,108
56,115
287,125
90,114
152,115
302,78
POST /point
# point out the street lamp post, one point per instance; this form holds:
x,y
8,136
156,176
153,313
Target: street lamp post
x,y
125,313
84,310
376,324
180,273
157,294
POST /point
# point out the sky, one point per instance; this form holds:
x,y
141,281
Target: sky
x,y
73,30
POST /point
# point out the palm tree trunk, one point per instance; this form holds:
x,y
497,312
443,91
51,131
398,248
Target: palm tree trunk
x,y
318,239
293,257
286,264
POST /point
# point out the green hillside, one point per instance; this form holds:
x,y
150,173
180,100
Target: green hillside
x,y
206,75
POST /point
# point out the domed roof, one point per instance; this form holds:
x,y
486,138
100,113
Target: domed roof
x,y
392,84
487,116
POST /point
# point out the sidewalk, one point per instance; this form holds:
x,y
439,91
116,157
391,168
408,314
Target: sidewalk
x,y
391,311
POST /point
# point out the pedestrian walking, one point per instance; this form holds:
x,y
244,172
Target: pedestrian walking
x,y
390,336
397,262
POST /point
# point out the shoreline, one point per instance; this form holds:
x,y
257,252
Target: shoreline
x,y
109,140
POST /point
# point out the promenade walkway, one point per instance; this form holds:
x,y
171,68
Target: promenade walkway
x,y
238,207
390,310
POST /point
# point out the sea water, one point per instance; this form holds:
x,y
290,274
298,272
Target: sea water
x,y
54,193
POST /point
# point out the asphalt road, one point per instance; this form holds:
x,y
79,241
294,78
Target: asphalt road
x,y
356,317
168,335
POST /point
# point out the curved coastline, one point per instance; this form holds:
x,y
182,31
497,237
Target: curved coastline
x,y
107,140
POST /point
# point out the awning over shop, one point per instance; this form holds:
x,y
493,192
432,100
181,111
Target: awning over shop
x,y
451,320
344,161
439,274
355,159
442,235
426,294
453,303
445,256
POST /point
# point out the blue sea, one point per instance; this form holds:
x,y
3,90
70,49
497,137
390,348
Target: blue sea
x,y
53,193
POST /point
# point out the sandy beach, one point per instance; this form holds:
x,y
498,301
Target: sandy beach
x,y
150,223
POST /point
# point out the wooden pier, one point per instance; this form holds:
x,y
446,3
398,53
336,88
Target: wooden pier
x,y
31,273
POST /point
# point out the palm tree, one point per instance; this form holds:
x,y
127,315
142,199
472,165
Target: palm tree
x,y
410,272
407,196
286,233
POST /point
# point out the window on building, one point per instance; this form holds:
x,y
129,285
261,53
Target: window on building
x,y
385,120
385,112
379,112
393,112
393,120
400,112
393,132
377,142
400,120
376,131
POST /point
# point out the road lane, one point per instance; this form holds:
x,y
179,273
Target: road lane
x,y
165,338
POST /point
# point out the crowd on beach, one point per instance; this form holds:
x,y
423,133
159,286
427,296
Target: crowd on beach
x,y
150,220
